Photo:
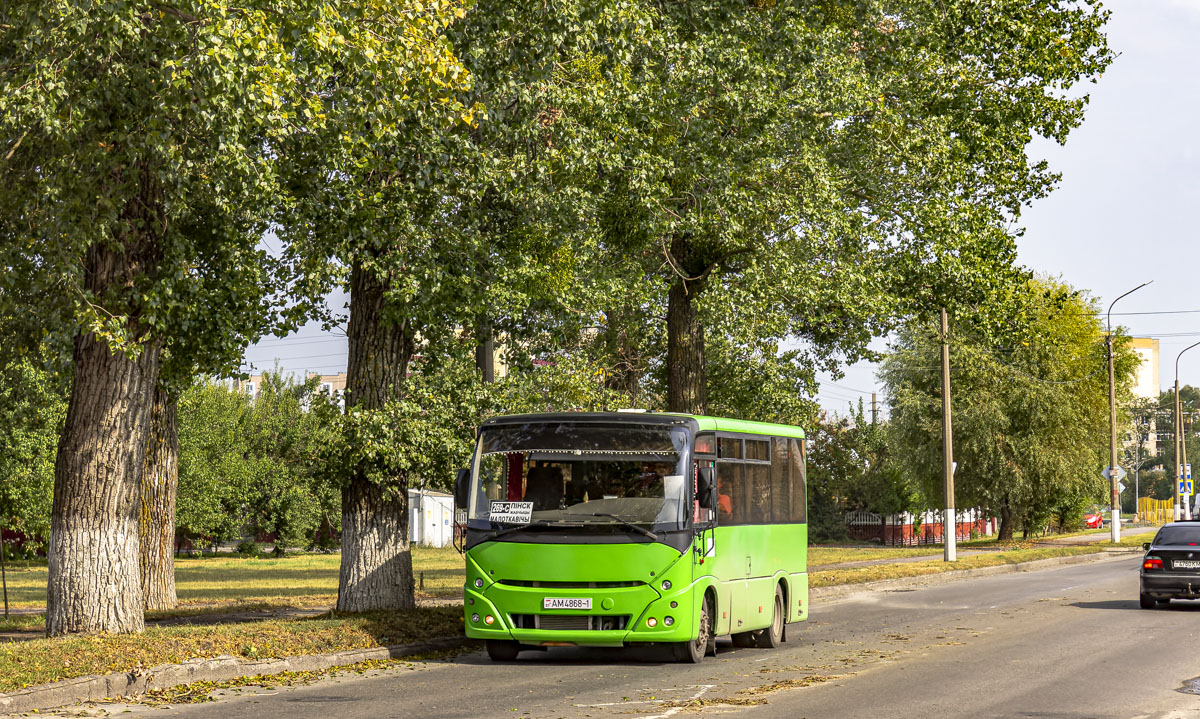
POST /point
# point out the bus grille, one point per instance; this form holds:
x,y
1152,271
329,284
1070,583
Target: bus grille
x,y
568,585
570,622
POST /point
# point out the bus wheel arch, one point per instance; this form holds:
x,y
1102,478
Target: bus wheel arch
x,y
786,589
710,594
773,636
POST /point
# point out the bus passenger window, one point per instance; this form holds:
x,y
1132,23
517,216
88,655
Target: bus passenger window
x,y
758,449
729,447
731,493
796,464
758,484
781,489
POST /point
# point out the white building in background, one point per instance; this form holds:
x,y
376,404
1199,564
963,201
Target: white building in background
x,y
1147,387
430,518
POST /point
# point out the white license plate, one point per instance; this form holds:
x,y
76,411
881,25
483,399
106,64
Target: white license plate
x,y
1185,564
566,603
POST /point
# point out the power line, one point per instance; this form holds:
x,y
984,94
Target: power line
x,y
853,389
306,357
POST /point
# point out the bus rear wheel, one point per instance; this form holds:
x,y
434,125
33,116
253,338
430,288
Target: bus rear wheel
x,y
772,636
502,651
692,652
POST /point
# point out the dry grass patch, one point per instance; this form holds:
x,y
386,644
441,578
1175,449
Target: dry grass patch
x,y
47,660
235,582
1131,540
819,556
858,575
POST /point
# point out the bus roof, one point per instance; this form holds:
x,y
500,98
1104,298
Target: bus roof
x,y
701,422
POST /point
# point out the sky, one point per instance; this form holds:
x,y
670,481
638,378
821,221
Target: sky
x,y
1125,209
1122,214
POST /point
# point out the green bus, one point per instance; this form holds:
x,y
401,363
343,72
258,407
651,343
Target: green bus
x,y
612,529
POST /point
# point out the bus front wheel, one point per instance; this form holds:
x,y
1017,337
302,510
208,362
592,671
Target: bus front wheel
x,y
502,651
692,652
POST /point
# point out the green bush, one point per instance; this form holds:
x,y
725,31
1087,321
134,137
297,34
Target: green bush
x,y
249,548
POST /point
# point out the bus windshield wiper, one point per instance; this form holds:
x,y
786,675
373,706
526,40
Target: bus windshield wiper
x,y
627,523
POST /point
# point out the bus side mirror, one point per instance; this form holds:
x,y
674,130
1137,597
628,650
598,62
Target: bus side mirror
x,y
706,487
461,484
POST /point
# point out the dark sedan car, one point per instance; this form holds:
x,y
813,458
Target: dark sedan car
x,y
1171,567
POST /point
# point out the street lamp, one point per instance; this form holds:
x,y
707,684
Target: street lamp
x,y
1114,503
1179,446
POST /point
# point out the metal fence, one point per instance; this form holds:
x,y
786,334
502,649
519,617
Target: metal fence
x,y
907,530
1156,511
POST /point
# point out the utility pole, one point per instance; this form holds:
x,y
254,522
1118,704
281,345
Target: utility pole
x,y
950,519
1187,505
1114,504
1178,442
3,574
874,410
1114,501
1180,461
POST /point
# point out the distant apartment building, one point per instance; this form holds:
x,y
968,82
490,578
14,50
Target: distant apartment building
x,y
333,384
1146,389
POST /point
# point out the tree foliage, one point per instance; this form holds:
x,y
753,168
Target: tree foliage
x,y
817,171
852,466
249,466
1030,408
33,406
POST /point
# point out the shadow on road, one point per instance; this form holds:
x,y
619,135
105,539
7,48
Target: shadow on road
x,y
596,656
1178,605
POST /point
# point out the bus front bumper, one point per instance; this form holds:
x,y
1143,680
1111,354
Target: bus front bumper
x,y
639,614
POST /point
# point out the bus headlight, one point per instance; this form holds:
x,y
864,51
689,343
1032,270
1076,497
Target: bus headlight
x,y
651,622
668,621
478,582
666,584
475,618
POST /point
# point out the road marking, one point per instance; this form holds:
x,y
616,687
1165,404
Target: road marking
x,y
675,710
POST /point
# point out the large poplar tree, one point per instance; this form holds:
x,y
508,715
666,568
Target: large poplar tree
x,y
140,149
816,170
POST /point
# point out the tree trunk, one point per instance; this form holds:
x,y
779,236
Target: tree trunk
x,y
485,350
1006,524
624,367
94,583
685,351
156,516
686,383
376,568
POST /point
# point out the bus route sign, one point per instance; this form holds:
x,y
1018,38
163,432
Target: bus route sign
x,y
511,512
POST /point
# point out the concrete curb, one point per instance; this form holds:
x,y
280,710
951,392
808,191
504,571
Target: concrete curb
x,y
224,668
841,592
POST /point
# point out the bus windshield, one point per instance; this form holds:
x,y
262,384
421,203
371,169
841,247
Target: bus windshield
x,y
583,476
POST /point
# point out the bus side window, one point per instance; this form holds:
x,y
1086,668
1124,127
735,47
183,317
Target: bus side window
x,y
702,515
758,485
781,487
730,494
796,465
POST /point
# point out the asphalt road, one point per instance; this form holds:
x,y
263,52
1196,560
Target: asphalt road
x,y
1065,642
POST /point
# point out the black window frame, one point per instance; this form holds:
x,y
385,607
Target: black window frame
x,y
742,437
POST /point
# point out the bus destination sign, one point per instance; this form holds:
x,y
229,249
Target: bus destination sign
x,y
511,512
